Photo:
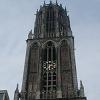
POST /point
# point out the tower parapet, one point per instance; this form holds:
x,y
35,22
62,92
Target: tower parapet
x,y
51,21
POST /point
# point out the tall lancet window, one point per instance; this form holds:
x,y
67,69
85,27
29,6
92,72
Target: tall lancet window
x,y
50,21
48,80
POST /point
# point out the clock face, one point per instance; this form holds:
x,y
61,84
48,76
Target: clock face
x,y
50,65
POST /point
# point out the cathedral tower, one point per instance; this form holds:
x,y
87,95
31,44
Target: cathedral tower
x,y
50,69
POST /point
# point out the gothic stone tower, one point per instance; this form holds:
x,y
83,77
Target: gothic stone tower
x,y
50,69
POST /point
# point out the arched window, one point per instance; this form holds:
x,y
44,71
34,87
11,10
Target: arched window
x,y
49,52
48,87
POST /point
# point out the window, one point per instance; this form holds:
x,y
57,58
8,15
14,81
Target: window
x,y
48,72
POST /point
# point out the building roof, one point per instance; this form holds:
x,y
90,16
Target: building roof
x,y
4,95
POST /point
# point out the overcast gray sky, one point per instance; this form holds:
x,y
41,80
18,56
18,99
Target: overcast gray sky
x,y
17,19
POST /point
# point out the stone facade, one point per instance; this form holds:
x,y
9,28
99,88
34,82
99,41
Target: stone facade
x,y
50,69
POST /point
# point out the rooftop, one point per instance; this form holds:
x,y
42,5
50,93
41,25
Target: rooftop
x,y
4,95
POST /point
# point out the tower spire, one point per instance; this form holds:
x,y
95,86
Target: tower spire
x,y
44,2
56,2
17,90
30,35
16,95
81,89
